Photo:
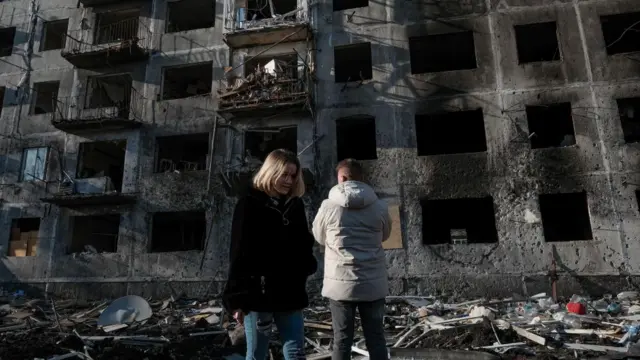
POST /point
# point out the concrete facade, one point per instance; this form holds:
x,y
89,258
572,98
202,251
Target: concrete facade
x,y
510,171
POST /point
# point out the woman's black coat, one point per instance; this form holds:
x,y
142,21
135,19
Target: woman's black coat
x,y
271,255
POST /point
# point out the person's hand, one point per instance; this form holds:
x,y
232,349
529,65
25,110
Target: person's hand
x,y
239,316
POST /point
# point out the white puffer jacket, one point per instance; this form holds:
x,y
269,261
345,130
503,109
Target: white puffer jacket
x,y
352,224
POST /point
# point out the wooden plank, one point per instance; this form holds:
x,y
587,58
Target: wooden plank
x,y
529,335
395,239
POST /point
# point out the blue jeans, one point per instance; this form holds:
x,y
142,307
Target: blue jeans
x,y
291,328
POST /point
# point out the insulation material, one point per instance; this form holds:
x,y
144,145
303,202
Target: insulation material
x,y
395,239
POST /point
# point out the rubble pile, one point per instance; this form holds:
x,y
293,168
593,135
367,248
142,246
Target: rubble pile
x,y
128,328
420,327
273,82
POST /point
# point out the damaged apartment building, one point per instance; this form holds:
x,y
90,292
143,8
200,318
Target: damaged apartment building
x,y
502,133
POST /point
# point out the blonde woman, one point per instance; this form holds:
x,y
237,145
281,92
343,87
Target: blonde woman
x,y
271,258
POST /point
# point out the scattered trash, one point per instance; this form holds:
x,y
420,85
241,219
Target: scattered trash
x,y
421,327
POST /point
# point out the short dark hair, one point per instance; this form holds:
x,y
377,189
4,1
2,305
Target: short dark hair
x,y
353,167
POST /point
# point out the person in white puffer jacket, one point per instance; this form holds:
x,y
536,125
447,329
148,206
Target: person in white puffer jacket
x,y
352,224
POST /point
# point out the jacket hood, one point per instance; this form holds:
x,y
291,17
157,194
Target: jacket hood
x,y
353,194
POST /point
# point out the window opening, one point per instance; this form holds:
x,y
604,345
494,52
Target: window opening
x,y
45,97
621,32
265,9
34,164
565,217
187,15
442,52
7,36
537,42
629,111
103,159
185,81
54,35
458,221
356,138
95,234
109,91
550,125
353,62
451,133
258,143
182,152
178,231
339,5
24,237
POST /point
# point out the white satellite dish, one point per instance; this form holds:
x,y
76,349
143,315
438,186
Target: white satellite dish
x,y
125,310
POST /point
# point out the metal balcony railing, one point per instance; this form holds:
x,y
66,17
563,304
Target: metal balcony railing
x,y
263,90
88,192
129,37
237,18
239,25
97,108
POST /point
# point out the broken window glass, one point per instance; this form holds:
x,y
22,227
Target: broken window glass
x,y
34,161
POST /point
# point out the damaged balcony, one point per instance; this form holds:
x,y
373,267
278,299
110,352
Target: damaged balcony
x,y
269,84
109,104
119,38
99,180
261,22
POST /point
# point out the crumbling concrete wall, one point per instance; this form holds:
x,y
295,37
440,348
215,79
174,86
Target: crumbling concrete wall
x,y
514,175
509,171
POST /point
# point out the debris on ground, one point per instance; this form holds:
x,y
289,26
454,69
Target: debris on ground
x,y
132,327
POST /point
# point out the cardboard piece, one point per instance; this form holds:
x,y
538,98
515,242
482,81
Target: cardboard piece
x,y
395,240
18,248
23,243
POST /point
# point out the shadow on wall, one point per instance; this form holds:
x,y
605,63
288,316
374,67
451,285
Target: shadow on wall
x,y
415,11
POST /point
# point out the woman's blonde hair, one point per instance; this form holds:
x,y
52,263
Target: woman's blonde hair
x,y
275,166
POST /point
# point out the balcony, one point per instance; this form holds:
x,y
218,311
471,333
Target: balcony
x,y
97,191
105,109
115,42
272,84
245,27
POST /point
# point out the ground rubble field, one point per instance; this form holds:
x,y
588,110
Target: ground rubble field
x,y
417,327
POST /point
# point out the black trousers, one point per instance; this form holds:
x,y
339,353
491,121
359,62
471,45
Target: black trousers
x,y
343,314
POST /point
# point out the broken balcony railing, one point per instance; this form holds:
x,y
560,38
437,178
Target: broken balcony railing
x,y
287,25
267,87
115,43
99,109
92,191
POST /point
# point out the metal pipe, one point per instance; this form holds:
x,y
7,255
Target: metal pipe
x,y
212,151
